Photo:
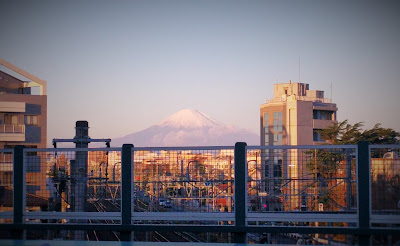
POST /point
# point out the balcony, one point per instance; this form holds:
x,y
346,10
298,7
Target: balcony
x,y
322,124
15,107
12,133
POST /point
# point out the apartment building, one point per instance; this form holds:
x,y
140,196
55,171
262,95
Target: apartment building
x,y
23,121
23,108
292,117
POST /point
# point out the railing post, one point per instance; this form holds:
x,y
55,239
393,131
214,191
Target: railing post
x,y
240,192
18,200
126,186
364,186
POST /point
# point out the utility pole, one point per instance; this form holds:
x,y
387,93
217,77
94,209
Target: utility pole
x,y
79,173
79,170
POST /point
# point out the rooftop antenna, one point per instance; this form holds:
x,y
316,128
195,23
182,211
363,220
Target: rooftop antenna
x,y
331,92
299,69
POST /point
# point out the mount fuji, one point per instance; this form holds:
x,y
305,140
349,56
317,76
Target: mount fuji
x,y
188,127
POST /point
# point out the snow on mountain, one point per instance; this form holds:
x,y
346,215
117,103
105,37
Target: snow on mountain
x,y
190,118
188,127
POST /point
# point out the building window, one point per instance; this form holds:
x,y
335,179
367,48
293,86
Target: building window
x,y
266,129
11,119
31,120
323,115
277,169
278,139
266,171
277,121
317,136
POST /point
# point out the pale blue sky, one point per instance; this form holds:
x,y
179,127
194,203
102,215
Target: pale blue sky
x,y
126,65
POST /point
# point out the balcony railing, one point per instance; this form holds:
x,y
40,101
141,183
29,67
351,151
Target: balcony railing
x,y
8,128
300,98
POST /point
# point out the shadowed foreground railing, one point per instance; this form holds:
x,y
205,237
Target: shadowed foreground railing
x,y
242,190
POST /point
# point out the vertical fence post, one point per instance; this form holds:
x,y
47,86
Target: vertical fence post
x,y
18,180
126,186
364,186
240,192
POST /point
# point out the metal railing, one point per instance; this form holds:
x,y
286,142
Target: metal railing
x,y
8,128
309,185
333,189
300,98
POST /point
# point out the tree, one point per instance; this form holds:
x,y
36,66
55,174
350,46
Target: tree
x,y
325,164
380,135
345,133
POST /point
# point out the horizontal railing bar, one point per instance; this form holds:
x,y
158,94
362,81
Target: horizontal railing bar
x,y
7,150
135,216
387,219
302,147
8,214
71,149
201,228
315,217
179,216
73,215
80,140
384,146
184,148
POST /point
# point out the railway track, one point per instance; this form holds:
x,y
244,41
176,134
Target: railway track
x,y
110,206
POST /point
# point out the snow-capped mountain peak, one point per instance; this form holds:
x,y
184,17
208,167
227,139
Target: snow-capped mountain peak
x,y
188,127
190,118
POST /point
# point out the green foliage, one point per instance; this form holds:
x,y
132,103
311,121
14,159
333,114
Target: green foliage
x,y
324,163
345,133
380,135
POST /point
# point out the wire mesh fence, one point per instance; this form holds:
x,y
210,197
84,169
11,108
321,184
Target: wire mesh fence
x,y
72,180
385,185
191,180
309,191
291,182
6,186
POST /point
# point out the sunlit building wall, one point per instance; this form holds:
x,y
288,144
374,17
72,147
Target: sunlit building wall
x,y
292,117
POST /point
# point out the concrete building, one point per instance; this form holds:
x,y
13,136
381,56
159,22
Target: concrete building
x,y
292,117
23,121
23,109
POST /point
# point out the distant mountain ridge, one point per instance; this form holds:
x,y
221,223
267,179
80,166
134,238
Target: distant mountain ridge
x,y
188,127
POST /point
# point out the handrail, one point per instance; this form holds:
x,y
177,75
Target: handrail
x,y
9,128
